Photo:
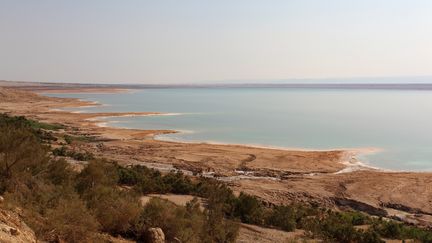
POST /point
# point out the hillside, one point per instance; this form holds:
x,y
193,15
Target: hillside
x,y
13,229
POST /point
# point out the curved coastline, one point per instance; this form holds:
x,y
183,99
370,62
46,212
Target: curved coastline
x,y
350,159
302,176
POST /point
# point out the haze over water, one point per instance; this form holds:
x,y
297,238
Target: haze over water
x,y
396,121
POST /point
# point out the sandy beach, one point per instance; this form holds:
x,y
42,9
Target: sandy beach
x,y
275,175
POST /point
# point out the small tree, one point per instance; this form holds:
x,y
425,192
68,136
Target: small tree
x,y
219,205
116,211
71,221
20,153
97,173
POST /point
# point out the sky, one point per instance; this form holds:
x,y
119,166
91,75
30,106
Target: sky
x,y
192,41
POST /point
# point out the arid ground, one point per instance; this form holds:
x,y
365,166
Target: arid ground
x,y
276,176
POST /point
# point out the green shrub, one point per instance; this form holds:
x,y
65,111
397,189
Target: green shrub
x,y
131,176
61,151
96,173
369,236
20,122
42,125
80,156
396,230
355,218
86,156
69,139
178,183
147,180
249,209
217,228
283,217
333,227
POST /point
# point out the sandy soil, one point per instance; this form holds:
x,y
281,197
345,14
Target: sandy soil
x,y
277,176
251,233
78,90
180,200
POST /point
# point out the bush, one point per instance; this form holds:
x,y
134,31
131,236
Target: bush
x,y
131,176
21,156
396,230
36,197
355,218
115,210
283,217
62,151
97,173
369,236
86,156
147,180
59,172
152,184
333,227
37,128
42,125
217,228
184,223
71,221
249,209
69,139
178,183
189,223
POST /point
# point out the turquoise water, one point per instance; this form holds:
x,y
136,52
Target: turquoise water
x,y
398,122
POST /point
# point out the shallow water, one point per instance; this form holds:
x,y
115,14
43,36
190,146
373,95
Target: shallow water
x,y
396,121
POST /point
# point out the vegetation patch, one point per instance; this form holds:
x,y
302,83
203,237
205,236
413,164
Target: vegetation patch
x,y
60,204
69,139
80,156
46,126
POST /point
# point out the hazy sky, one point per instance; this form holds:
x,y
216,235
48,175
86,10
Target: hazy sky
x,y
172,41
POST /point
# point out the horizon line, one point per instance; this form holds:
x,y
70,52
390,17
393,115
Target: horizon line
x,y
336,80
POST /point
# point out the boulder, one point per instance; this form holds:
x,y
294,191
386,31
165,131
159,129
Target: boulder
x,y
156,235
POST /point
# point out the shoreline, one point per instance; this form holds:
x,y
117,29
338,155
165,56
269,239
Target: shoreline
x,y
101,122
310,175
82,90
351,161
350,153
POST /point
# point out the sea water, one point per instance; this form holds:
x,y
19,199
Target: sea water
x,y
397,122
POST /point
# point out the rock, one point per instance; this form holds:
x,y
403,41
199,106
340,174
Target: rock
x,y
1,199
13,229
360,206
156,235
